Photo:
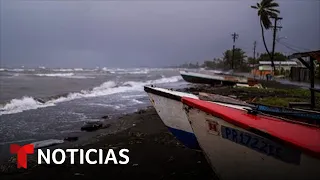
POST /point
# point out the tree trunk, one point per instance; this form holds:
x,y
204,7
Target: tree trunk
x,y
265,45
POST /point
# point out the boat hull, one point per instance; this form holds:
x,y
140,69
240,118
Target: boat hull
x,y
232,158
214,79
200,80
169,108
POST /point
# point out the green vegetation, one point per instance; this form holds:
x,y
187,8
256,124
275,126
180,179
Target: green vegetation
x,y
277,57
275,97
272,101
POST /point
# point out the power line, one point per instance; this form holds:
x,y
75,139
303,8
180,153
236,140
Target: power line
x,y
305,49
288,47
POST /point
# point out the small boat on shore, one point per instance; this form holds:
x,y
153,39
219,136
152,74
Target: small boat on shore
x,y
170,109
242,145
212,78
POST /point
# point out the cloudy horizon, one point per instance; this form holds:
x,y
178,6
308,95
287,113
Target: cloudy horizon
x,y
143,33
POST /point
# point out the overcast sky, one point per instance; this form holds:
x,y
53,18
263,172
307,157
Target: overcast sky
x,y
143,33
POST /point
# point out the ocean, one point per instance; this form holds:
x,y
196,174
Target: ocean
x,y
41,103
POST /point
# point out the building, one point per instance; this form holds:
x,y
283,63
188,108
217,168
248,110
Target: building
x,y
264,67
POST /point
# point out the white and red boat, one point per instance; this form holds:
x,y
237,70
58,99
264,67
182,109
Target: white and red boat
x,y
241,145
206,77
170,109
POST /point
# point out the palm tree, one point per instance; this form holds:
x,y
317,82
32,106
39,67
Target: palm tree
x,y
266,10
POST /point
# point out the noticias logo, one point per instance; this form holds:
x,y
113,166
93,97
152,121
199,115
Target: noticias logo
x,y
52,156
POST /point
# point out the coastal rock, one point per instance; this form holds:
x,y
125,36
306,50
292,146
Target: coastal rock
x,y
71,138
40,100
105,117
92,126
141,111
105,126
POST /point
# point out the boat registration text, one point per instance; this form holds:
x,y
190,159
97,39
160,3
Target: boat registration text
x,y
261,144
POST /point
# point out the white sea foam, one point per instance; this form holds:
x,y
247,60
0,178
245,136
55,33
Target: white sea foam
x,y
134,96
139,72
62,70
78,69
108,105
107,88
2,69
104,69
135,101
127,71
64,75
56,74
15,70
134,72
23,104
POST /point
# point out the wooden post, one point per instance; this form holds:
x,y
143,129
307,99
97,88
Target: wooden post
x,y
312,82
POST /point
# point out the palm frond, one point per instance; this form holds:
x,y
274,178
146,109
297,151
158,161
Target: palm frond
x,y
254,7
271,14
274,10
272,5
265,2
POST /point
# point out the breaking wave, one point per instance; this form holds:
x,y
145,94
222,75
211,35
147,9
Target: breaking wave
x,y
23,104
64,75
106,88
135,101
56,74
78,69
62,70
15,70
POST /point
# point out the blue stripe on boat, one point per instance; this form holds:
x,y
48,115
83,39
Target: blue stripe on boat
x,y
289,112
186,138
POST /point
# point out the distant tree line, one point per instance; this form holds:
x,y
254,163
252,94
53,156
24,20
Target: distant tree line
x,y
241,61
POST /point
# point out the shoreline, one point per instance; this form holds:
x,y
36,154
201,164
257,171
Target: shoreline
x,y
153,152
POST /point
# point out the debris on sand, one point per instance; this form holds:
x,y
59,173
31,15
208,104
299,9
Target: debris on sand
x,y
105,117
92,126
72,138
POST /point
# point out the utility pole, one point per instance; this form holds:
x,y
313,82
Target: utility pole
x,y
234,37
254,49
254,53
275,28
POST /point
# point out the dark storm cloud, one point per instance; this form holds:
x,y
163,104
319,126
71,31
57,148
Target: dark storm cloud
x,y
141,33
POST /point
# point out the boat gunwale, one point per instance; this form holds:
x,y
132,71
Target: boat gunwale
x,y
255,130
172,96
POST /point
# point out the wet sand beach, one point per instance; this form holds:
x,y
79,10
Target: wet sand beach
x,y
154,153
